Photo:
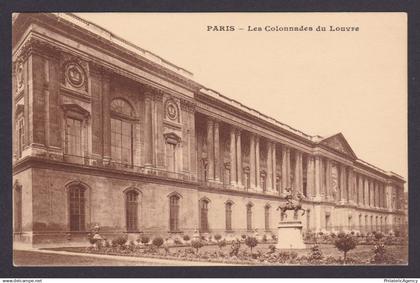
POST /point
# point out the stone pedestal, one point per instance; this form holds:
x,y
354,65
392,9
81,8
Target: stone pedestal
x,y
290,233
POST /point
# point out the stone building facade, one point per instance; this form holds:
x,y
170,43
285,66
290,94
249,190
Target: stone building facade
x,y
108,133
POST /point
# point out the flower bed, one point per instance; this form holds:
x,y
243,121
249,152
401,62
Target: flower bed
x,y
264,255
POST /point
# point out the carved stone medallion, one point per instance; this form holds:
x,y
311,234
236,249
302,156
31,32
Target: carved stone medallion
x,y
75,75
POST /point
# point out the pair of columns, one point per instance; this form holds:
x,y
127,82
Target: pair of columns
x,y
236,167
371,194
213,150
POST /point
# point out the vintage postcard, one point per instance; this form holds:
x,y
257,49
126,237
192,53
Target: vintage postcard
x,y
184,139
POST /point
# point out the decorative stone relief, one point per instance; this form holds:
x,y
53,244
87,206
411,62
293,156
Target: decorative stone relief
x,y
74,73
19,75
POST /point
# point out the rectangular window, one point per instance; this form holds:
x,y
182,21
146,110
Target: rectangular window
x,y
173,213
171,158
121,141
267,218
74,137
131,211
249,217
228,217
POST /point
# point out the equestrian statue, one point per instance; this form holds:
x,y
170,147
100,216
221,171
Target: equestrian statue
x,y
293,202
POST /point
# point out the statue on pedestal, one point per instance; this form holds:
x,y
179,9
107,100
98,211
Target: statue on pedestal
x,y
293,202
290,231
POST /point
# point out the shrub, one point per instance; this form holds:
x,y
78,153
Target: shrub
x,y
272,248
274,237
196,244
378,236
251,242
177,241
217,237
157,242
243,236
186,238
345,243
144,240
316,253
381,255
119,241
107,244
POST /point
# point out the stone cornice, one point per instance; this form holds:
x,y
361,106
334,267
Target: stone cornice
x,y
55,23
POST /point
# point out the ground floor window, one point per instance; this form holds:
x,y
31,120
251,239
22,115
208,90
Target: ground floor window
x,y
77,208
131,210
204,224
249,217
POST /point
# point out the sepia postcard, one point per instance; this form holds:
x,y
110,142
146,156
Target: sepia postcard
x,y
209,139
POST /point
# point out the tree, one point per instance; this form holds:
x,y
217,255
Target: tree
x,y
157,242
197,244
345,243
251,242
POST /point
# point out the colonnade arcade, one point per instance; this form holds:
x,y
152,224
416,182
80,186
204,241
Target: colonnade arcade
x,y
239,159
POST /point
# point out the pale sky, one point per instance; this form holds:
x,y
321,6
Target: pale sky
x,y
318,82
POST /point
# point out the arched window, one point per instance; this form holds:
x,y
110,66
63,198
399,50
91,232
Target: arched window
x,y
204,225
267,217
77,208
249,217
131,210
17,208
174,213
122,115
228,210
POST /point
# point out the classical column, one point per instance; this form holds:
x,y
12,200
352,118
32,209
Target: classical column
x,y
366,197
210,150
257,163
239,157
328,185
106,130
148,131
288,169
284,183
360,187
298,170
269,166
317,176
350,185
216,152
310,178
252,160
232,157
342,183
274,162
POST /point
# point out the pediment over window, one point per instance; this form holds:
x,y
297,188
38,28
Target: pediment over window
x,y
172,138
338,143
75,109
